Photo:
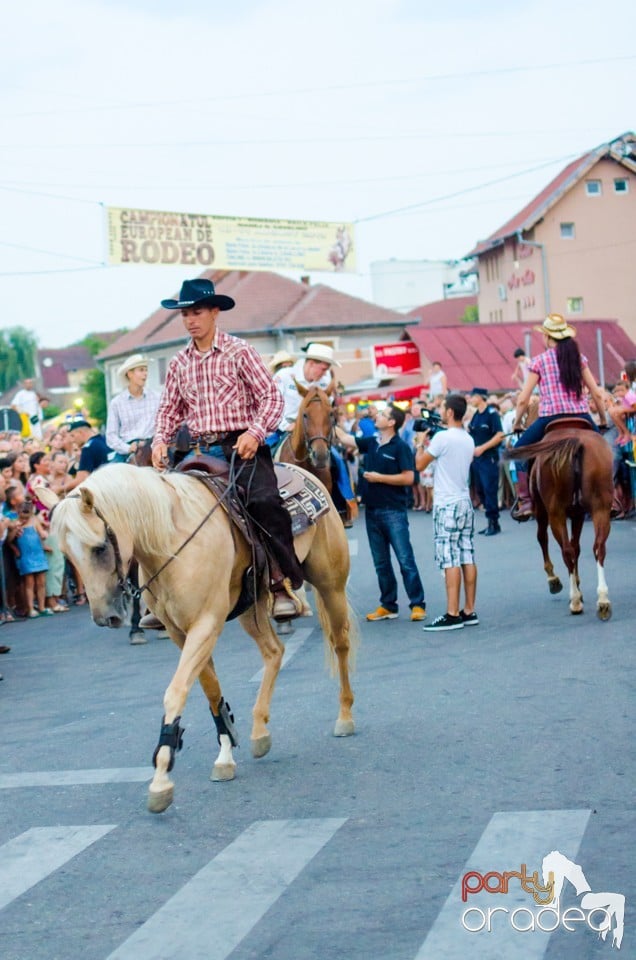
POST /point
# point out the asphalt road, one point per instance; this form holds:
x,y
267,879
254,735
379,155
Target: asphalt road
x,y
478,750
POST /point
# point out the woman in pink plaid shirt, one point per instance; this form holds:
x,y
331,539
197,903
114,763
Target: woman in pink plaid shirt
x,y
560,373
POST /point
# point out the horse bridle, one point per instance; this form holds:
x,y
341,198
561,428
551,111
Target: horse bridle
x,y
309,440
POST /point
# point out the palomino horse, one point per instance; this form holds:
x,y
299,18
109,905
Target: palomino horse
x,y
171,524
571,476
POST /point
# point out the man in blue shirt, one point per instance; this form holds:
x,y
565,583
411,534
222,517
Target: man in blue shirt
x,y
485,429
389,471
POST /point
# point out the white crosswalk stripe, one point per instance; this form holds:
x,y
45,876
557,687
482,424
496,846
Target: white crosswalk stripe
x,y
509,840
34,854
215,910
74,778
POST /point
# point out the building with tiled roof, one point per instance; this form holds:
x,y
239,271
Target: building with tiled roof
x,y
571,250
273,313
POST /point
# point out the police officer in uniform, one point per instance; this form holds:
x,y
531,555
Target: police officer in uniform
x,y
485,429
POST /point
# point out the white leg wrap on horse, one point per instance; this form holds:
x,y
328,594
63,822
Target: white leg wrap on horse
x,y
224,765
576,597
602,591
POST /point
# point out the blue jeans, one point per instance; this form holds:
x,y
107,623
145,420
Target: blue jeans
x,y
388,528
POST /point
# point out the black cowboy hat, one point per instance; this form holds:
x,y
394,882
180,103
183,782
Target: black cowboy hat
x,y
196,291
478,391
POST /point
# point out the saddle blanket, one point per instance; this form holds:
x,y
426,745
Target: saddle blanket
x,y
303,497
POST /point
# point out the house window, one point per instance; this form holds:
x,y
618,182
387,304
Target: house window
x,y
567,231
575,304
621,185
593,188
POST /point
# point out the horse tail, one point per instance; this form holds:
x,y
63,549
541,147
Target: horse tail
x,y
331,659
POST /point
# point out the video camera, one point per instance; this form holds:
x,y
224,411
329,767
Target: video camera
x,y
430,421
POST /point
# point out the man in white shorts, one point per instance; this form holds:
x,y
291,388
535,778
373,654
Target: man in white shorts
x,y
453,520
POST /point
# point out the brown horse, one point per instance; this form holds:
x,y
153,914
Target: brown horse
x,y
571,476
192,564
309,444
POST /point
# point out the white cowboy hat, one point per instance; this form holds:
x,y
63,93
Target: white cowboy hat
x,y
555,327
279,359
137,360
320,352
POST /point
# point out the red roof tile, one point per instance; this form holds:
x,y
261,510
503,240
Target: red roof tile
x,y
482,354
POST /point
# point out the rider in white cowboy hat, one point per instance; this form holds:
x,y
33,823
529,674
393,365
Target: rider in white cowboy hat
x,y
313,368
132,413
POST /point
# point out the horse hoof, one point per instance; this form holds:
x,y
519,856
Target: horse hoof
x,y
261,746
223,771
344,728
576,613
555,585
138,637
160,800
604,611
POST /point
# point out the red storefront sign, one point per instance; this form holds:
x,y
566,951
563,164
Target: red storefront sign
x,y
393,359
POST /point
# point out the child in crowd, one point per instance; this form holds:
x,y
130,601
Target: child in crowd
x,y
29,548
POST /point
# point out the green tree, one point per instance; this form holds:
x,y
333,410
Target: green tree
x,y
470,315
18,348
93,344
94,390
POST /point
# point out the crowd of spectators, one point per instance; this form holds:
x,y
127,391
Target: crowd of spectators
x,y
36,580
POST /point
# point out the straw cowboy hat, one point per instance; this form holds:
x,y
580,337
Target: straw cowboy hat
x,y
196,291
555,327
320,352
137,360
282,358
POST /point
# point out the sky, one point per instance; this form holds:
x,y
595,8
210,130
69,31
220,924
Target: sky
x,y
428,125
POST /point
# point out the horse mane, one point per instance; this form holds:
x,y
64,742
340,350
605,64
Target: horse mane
x,y
124,494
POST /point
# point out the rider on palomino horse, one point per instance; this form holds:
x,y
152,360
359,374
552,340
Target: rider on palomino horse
x,y
220,387
314,368
560,373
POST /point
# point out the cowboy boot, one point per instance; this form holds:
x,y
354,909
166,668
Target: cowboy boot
x,y
285,603
522,508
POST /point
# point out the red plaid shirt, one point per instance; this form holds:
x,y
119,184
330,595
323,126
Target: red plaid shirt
x,y
228,388
553,397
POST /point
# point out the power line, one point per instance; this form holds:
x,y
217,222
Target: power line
x,y
50,253
459,193
335,88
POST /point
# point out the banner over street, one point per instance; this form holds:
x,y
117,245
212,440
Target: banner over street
x,y
228,243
